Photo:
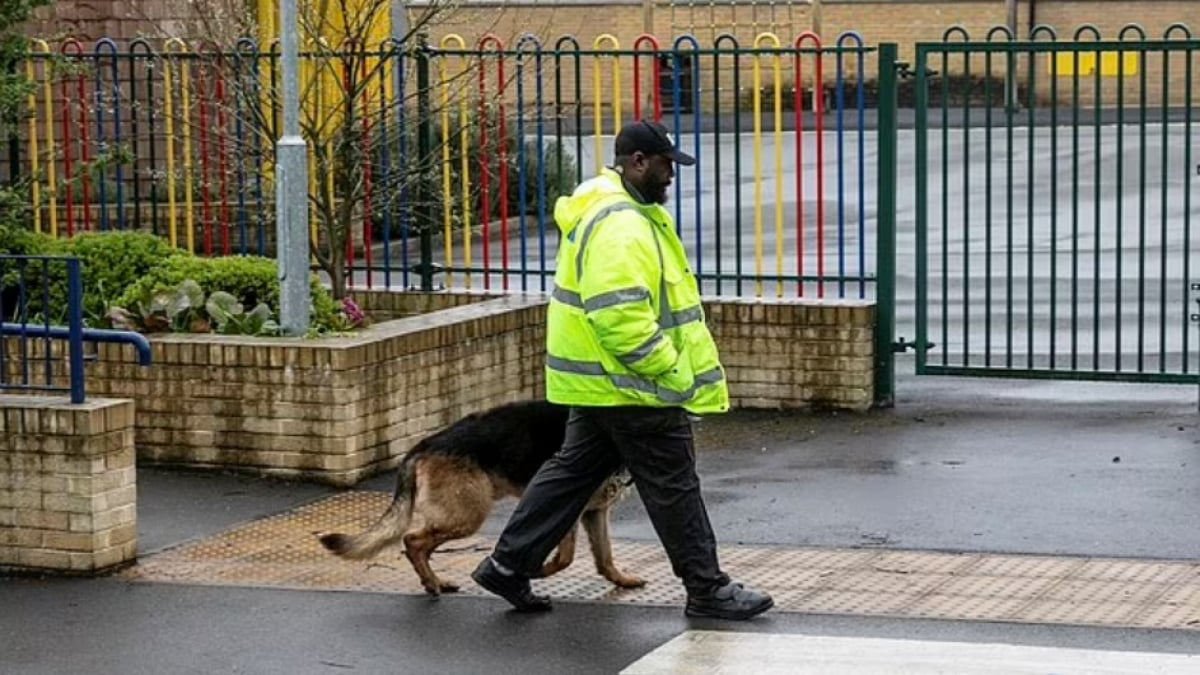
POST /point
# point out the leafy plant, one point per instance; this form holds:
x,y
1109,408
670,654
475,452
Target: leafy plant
x,y
169,310
111,263
17,240
114,261
232,319
251,280
184,309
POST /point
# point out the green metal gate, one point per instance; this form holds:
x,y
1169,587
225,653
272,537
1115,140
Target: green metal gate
x,y
1054,205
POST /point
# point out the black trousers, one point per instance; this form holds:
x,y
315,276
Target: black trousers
x,y
656,447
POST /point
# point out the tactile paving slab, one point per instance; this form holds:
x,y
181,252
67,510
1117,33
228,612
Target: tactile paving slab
x,y
282,551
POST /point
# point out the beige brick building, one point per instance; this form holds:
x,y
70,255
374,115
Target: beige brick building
x,y
904,22
901,21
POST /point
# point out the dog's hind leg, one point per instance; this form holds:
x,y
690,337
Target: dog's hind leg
x,y
595,522
418,546
453,500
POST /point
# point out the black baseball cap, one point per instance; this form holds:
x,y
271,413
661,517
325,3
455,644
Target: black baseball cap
x,y
650,138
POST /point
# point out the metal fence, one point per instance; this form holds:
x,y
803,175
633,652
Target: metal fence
x,y
31,348
27,360
1054,205
468,145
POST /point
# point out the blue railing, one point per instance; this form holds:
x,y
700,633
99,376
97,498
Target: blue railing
x,y
28,287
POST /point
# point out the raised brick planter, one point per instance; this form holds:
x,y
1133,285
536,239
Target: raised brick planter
x,y
68,485
796,353
333,410
338,410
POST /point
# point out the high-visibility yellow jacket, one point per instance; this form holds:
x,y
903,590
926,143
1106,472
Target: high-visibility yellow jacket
x,y
625,325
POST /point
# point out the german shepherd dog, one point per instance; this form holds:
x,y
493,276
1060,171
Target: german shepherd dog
x,y
446,486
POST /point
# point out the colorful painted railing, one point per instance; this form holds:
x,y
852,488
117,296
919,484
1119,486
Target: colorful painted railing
x,y
178,139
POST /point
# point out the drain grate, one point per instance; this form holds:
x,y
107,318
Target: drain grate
x,y
282,551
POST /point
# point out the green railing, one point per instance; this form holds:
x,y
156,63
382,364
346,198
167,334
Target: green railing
x,y
1054,205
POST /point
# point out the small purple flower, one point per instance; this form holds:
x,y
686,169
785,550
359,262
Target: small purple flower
x,y
353,312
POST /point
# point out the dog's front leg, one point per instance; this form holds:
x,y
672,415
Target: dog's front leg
x,y
596,524
563,556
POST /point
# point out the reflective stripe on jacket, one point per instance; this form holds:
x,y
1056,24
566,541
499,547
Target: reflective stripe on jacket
x,y
625,325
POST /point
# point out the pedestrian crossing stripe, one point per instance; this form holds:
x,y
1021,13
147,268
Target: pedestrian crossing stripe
x,y
734,653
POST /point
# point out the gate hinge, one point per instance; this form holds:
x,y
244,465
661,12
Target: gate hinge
x,y
904,70
901,345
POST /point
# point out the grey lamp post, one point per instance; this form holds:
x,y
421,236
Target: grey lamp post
x,y
291,188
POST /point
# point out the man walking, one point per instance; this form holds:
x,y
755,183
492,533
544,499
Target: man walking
x,y
629,351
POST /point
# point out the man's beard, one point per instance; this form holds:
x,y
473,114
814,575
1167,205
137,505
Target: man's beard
x,y
657,192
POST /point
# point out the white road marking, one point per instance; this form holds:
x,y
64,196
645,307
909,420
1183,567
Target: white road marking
x,y
731,653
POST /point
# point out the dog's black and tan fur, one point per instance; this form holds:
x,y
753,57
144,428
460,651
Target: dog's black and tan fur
x,y
448,482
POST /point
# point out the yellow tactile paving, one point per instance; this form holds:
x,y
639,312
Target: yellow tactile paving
x,y
282,551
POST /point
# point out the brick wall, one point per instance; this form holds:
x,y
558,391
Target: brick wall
x,y
90,20
900,21
777,353
878,21
340,409
334,410
796,353
67,484
387,305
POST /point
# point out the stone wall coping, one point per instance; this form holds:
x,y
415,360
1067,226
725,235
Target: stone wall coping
x,y
789,301
63,403
539,296
535,297
386,329
498,305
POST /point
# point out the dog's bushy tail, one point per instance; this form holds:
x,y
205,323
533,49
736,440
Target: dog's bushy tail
x,y
387,530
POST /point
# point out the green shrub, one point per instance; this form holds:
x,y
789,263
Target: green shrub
x,y
16,240
111,262
114,261
249,279
324,308
123,269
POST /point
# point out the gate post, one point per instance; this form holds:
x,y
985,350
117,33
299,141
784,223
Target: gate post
x,y
1195,318
885,295
424,211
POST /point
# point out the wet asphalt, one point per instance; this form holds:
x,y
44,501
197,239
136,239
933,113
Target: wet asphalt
x,y
964,465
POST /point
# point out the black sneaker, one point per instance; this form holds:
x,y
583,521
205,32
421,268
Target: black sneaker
x,y
732,601
512,587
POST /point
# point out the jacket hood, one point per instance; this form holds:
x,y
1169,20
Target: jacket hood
x,y
569,211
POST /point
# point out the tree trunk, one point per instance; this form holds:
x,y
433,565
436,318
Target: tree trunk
x,y
337,271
